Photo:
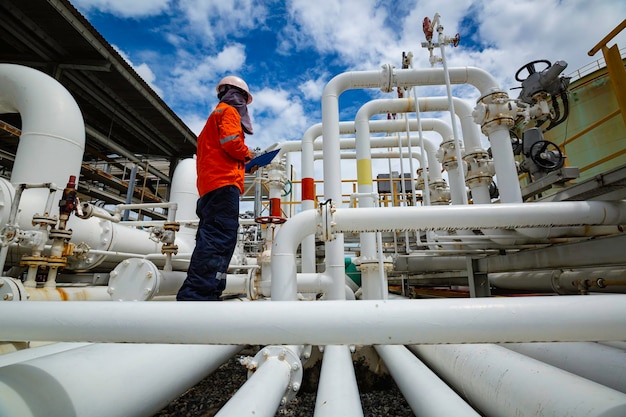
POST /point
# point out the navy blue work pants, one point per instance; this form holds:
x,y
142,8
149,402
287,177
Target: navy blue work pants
x,y
216,239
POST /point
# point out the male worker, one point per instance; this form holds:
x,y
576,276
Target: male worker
x,y
221,157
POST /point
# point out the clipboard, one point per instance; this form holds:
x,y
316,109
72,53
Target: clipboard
x,y
262,160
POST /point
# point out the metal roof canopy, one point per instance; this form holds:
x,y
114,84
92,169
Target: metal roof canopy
x,y
125,120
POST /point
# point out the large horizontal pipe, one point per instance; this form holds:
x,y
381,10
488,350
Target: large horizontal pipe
x,y
138,380
570,213
37,352
500,382
600,363
563,281
485,320
427,395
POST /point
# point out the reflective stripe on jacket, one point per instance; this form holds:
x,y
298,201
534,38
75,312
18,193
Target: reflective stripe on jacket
x,y
222,152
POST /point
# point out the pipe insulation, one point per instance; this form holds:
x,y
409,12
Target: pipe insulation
x,y
368,322
500,382
65,381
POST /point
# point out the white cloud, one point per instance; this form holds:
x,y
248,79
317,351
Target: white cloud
x,y
125,8
195,121
276,117
216,20
197,77
313,89
353,29
143,69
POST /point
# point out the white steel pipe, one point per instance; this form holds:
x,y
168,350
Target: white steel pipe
x,y
616,344
60,293
427,395
600,363
262,393
283,261
184,194
52,125
471,131
310,142
514,384
563,281
373,287
384,79
481,320
37,352
504,164
337,391
306,283
159,374
570,213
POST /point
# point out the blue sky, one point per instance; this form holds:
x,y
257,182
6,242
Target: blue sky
x,y
288,50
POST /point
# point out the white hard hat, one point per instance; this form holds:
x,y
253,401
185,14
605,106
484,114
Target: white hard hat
x,y
236,82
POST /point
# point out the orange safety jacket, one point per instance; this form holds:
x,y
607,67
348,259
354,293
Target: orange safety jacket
x,y
222,152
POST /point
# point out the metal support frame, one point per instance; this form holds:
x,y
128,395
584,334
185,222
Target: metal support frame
x,y
478,281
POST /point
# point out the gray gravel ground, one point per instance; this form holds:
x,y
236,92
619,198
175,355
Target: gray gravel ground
x,y
380,396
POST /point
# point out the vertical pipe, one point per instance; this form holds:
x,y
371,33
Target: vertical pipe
x,y
337,391
308,194
257,194
504,163
52,124
457,142
130,191
427,395
283,259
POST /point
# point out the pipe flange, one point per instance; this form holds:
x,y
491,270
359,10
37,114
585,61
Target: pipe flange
x,y
44,220
175,226
493,111
34,261
387,78
12,290
327,209
56,262
60,234
290,358
251,289
478,179
372,264
169,248
134,279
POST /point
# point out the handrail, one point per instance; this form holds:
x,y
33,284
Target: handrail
x,y
607,38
